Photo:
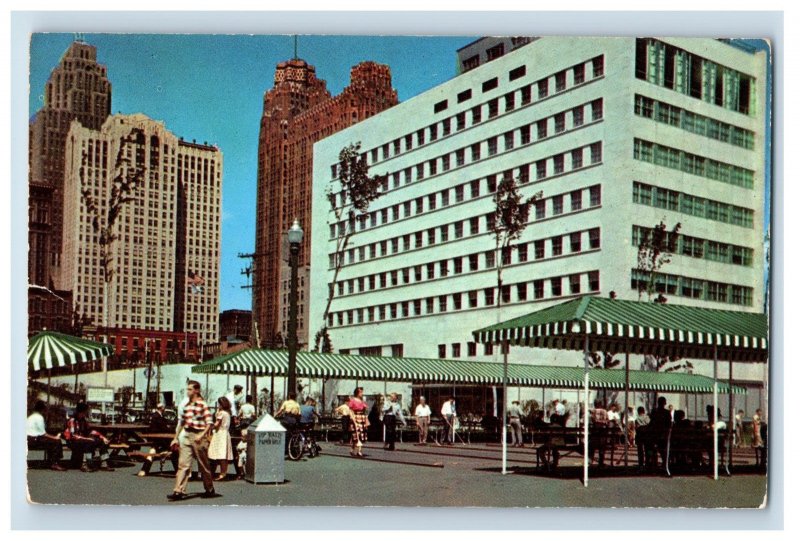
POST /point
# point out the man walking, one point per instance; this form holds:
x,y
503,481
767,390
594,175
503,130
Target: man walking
x,y
448,414
423,415
192,437
391,413
514,416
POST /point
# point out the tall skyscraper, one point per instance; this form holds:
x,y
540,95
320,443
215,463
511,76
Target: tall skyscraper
x,y
618,134
78,89
156,267
298,111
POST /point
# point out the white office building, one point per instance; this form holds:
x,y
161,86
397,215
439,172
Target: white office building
x,y
617,133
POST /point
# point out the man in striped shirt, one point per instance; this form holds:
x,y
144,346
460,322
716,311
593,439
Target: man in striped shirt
x,y
193,436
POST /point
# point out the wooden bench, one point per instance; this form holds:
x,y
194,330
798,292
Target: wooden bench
x,y
687,445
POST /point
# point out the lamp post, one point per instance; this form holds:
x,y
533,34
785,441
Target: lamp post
x,y
295,235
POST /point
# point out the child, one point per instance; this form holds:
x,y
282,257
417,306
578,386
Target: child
x,y
242,448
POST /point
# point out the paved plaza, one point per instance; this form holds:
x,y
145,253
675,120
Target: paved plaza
x,y
414,475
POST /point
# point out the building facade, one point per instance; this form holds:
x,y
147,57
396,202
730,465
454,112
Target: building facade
x,y
78,90
156,267
235,323
486,49
298,111
617,133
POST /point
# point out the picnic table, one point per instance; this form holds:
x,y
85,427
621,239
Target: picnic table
x,y
124,438
554,441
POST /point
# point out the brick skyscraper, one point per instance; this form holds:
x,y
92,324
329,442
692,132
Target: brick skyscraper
x,y
299,111
78,89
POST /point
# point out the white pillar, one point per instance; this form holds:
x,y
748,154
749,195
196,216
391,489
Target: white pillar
x,y
586,411
715,419
505,405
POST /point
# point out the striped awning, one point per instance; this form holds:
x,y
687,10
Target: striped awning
x,y
617,326
50,349
265,362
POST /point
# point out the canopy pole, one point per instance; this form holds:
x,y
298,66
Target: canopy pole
x,y
272,394
627,406
48,385
505,407
731,423
586,410
228,381
714,418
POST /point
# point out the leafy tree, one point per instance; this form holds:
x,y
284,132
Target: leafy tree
x,y
358,189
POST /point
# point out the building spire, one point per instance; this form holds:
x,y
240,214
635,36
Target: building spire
x,y
295,47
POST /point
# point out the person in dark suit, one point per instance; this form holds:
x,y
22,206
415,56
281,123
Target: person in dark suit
x,y
660,424
158,424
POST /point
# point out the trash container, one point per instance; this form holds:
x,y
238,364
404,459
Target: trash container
x,y
265,451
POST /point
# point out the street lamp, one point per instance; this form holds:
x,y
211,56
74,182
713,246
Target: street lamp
x,y
295,236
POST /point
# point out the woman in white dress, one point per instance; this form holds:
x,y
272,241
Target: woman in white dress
x,y
220,448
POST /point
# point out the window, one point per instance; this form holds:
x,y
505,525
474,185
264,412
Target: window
x,y
597,66
522,292
541,128
420,171
525,95
489,259
508,140
419,205
417,307
558,164
475,150
538,249
488,348
597,109
432,201
525,134
509,101
458,229
596,151
409,142
458,265
406,276
524,173
474,225
443,269
420,137
543,86
493,108
443,233
539,206
476,115
594,238
464,95
516,73
460,157
576,200
429,303
475,188
575,242
445,127
445,197
561,81
594,196
555,286
579,73
456,301
430,269
434,132
488,296
491,183
577,158
594,281
522,253
492,143
461,121
473,299
541,169
473,262
557,246
538,289
459,193
575,284
491,83
440,106
456,350
471,63
418,239
560,120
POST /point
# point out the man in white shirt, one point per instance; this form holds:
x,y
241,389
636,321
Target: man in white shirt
x,y
236,398
514,420
448,414
423,415
247,413
39,438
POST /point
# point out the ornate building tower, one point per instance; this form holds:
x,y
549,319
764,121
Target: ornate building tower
x,y
299,111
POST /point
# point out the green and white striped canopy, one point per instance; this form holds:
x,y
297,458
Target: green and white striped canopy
x,y
265,362
50,349
617,326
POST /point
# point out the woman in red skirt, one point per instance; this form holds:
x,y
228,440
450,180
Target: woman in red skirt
x,y
358,409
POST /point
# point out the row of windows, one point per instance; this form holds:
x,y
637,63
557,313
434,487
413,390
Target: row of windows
x,y
557,286
464,228
523,96
670,67
570,243
692,122
541,129
694,288
653,196
703,248
544,168
692,163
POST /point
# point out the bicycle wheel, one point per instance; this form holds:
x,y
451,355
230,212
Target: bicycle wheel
x,y
296,446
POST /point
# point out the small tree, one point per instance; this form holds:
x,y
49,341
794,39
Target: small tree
x,y
359,190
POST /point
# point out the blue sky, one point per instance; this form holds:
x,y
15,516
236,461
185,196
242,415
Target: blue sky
x,y
210,88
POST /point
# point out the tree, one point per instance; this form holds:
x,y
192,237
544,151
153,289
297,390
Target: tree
x,y
656,248
357,191
127,179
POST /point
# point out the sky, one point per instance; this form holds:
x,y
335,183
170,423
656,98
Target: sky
x,y
210,88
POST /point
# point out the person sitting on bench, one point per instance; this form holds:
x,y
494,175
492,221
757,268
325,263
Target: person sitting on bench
x,y
38,438
82,440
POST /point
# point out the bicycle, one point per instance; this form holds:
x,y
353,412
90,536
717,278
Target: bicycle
x,y
302,441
